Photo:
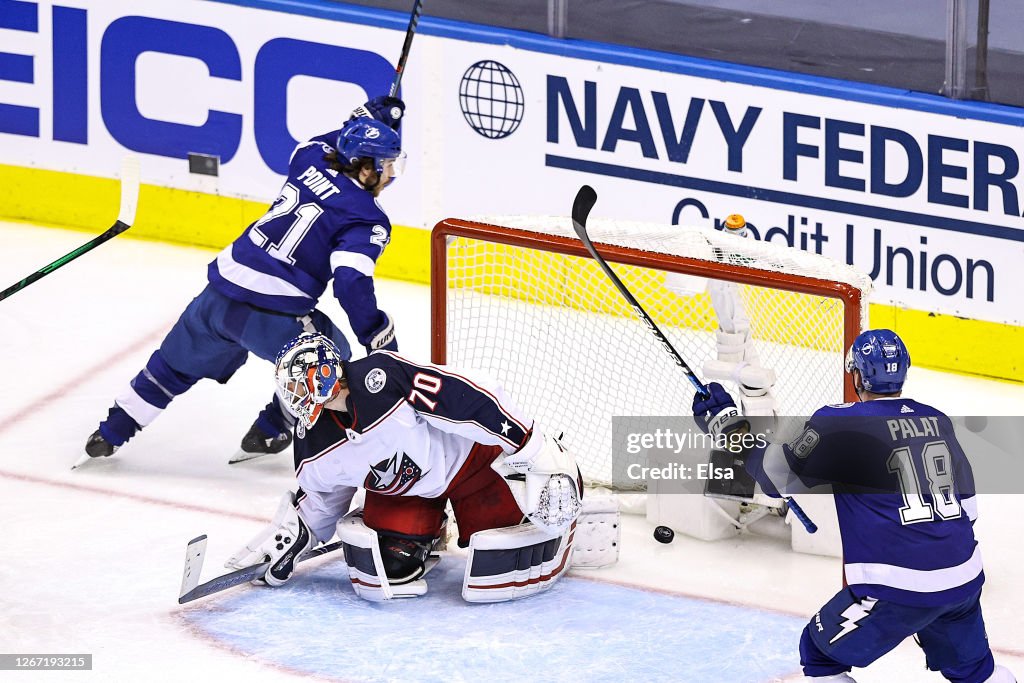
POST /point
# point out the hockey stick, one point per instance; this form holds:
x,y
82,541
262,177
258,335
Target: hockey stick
x,y
125,218
195,552
417,8
584,202
581,206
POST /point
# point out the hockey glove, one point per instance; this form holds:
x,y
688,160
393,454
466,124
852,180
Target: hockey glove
x,y
280,543
717,413
387,110
383,337
551,495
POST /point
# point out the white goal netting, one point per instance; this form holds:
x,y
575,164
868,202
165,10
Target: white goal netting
x,y
532,309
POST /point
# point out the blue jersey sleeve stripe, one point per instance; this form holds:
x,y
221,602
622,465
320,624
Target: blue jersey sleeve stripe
x,y
970,506
254,280
294,305
354,260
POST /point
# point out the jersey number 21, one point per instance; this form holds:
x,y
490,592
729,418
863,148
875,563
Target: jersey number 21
x,y
305,216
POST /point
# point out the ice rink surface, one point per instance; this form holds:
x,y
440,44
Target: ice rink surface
x,y
93,557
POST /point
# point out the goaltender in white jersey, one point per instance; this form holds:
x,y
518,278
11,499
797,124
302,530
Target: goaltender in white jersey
x,y
418,436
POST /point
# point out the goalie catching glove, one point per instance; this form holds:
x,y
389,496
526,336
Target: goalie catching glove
x,y
280,543
545,482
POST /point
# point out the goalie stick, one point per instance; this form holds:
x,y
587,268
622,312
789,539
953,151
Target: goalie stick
x,y
195,553
581,206
414,19
125,218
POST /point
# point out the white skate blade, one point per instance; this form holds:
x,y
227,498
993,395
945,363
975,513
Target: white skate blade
x,y
242,456
82,460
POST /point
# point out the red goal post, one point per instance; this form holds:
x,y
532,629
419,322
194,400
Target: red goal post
x,y
521,299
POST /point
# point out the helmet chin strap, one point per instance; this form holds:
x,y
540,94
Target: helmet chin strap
x,y
858,387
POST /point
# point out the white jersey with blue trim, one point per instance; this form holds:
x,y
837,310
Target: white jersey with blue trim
x,y
408,431
904,493
323,225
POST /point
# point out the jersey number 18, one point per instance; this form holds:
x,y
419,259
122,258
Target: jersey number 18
x,y
938,469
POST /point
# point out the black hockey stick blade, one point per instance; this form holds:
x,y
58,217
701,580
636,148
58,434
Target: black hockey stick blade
x,y
239,576
125,218
581,206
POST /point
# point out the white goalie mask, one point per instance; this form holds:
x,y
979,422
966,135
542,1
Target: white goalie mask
x,y
308,374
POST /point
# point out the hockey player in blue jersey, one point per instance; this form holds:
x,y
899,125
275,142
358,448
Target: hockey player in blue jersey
x,y
263,288
906,505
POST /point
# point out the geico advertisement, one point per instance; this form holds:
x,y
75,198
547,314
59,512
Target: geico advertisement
x,y
165,78
928,205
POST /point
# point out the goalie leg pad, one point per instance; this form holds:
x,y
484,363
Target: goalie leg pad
x,y
515,562
598,532
366,566
545,482
550,502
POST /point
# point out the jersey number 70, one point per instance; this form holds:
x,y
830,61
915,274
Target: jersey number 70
x,y
938,469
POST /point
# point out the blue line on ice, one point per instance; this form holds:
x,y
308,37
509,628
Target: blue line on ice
x,y
579,631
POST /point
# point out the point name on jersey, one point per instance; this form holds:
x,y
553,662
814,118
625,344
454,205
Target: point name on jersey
x,y
318,184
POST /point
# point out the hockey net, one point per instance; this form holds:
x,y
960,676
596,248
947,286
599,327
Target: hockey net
x,y
521,299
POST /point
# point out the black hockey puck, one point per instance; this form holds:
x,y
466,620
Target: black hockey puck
x,y
663,534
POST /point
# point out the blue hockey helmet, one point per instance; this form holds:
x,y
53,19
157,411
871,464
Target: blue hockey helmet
x,y
367,138
882,359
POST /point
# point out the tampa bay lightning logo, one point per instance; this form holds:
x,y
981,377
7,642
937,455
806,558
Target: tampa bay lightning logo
x,y
393,477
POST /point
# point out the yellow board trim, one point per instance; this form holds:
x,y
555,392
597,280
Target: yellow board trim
x,y
83,202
